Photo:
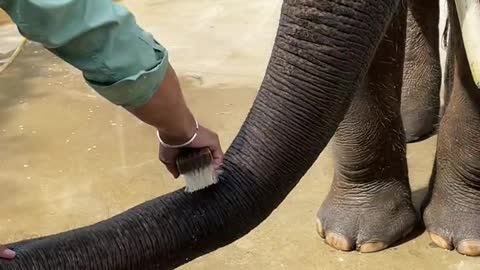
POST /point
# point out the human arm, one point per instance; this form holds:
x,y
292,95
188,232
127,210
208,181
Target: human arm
x,y
168,112
119,60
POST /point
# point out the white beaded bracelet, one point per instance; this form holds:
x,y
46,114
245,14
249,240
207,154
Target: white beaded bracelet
x,y
166,145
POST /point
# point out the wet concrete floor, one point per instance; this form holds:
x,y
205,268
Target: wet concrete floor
x,y
69,158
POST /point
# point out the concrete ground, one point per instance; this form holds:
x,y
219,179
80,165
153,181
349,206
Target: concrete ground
x,y
69,158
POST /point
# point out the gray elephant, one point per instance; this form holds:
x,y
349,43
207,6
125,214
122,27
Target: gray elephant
x,y
336,66
451,208
370,187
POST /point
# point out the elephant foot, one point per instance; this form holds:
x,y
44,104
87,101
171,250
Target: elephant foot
x,y
452,209
452,215
369,205
420,125
422,71
367,217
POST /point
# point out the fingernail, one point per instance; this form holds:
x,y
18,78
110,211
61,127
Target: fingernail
x,y
8,254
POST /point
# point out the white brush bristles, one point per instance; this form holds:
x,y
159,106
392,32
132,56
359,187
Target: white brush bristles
x,y
200,178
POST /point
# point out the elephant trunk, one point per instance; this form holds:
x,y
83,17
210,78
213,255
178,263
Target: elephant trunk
x,y
320,57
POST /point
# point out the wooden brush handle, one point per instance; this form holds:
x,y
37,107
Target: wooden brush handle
x,y
191,159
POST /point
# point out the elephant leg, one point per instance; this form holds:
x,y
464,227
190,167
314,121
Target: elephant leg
x,y
369,205
422,72
452,212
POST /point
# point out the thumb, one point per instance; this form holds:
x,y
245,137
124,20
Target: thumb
x,y
217,154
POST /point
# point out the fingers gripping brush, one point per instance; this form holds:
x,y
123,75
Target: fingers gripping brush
x,y
195,165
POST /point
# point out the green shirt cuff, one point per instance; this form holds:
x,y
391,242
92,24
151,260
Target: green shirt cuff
x,y
118,59
136,90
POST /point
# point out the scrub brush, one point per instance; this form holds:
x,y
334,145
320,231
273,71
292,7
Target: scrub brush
x,y
196,166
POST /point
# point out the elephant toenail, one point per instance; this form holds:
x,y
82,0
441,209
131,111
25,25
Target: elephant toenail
x,y
469,247
373,247
440,241
339,242
320,230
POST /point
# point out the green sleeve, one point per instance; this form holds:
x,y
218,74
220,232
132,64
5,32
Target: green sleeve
x,y
118,59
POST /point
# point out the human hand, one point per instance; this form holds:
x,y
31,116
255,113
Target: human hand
x,y
205,138
6,253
